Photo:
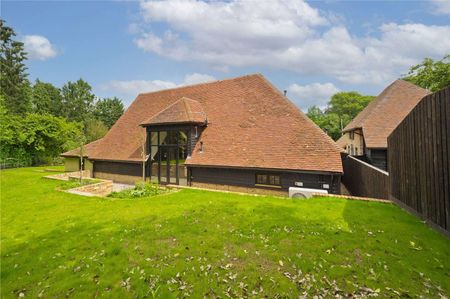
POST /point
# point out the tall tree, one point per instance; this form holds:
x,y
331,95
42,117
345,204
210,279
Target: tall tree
x,y
78,100
108,110
47,99
94,129
348,103
14,85
430,74
341,109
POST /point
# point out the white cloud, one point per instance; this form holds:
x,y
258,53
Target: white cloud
x,y
130,89
289,35
197,78
441,7
311,94
134,87
38,47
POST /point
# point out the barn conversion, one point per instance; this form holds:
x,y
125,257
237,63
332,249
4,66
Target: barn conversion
x,y
366,135
239,134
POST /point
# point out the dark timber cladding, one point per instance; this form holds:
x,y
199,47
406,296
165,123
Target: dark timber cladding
x,y
247,178
419,159
363,179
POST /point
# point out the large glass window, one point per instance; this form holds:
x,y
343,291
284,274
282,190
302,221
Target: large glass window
x,y
168,150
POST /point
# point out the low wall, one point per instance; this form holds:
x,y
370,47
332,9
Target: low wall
x,y
240,189
98,189
363,179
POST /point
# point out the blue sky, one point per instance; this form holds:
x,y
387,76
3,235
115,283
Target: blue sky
x,y
312,49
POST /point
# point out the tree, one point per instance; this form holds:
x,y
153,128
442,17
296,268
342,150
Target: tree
x,y
36,138
348,103
77,99
430,74
14,85
329,122
94,129
341,109
108,110
47,99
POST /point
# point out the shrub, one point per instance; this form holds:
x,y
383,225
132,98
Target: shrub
x,y
141,189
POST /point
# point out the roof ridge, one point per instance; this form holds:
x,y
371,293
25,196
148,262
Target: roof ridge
x,y
199,84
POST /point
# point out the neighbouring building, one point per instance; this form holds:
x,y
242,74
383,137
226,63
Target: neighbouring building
x,y
366,135
238,134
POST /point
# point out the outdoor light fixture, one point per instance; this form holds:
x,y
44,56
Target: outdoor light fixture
x,y
201,146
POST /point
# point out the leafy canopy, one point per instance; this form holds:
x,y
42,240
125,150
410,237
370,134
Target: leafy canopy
x,y
341,109
108,110
430,74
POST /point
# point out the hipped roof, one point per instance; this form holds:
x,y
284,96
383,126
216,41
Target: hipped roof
x,y
250,125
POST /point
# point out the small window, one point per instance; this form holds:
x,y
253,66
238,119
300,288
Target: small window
x,y
352,135
268,179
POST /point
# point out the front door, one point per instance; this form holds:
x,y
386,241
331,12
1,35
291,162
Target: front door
x,y
168,165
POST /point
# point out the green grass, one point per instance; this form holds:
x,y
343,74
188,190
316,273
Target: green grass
x,y
195,243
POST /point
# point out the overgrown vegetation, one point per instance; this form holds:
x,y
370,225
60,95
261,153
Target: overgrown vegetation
x,y
39,121
141,189
199,244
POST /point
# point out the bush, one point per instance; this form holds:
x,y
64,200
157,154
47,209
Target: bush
x,y
141,189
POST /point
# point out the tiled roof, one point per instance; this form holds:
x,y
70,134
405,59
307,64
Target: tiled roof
x,y
386,111
184,110
250,124
87,150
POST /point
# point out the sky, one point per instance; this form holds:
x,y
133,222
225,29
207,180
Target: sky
x,y
312,49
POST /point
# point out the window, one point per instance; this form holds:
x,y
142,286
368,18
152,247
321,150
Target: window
x,y
268,179
352,135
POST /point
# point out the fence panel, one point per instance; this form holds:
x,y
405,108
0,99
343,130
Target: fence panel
x,y
363,179
419,159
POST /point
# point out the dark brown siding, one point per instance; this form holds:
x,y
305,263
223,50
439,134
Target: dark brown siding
x,y
378,158
130,169
362,179
246,178
419,159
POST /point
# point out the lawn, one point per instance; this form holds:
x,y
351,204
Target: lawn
x,y
197,243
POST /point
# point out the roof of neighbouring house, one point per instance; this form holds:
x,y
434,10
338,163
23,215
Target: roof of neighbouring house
x,y
88,149
184,110
385,112
250,125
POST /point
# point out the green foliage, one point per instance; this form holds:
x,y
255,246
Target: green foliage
x,y
430,74
209,244
141,189
78,100
328,122
40,137
342,108
94,129
348,104
108,110
14,85
36,138
47,99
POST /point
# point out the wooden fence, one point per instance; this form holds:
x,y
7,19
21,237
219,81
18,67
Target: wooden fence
x,y
363,179
419,159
